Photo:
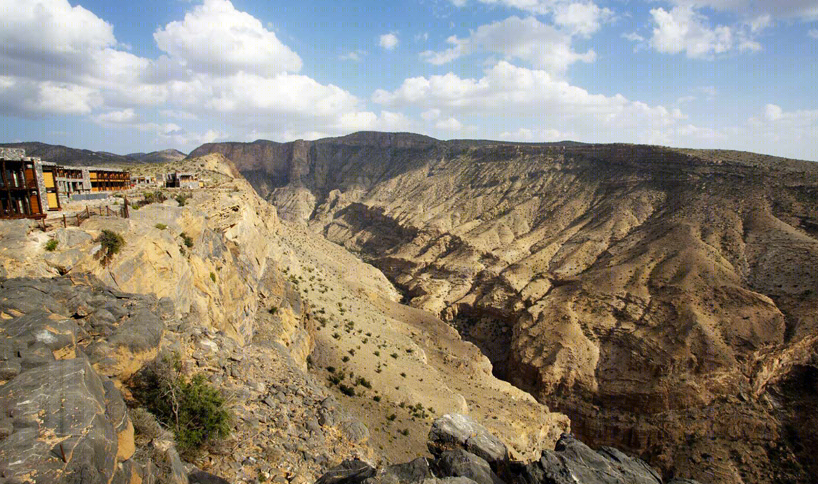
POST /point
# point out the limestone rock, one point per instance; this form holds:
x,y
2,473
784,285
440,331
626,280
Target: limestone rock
x,y
348,472
453,431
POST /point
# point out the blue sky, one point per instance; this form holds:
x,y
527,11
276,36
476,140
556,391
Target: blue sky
x,y
140,76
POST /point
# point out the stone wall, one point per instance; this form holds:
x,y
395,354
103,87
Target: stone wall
x,y
12,153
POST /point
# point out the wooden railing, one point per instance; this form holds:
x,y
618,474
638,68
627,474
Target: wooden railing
x,y
76,219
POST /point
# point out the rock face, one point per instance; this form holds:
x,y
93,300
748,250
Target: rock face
x,y
460,431
663,299
63,420
571,462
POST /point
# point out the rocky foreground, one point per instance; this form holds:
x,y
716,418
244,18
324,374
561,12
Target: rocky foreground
x,y
663,299
464,452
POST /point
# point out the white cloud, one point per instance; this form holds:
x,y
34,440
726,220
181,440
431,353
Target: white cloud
x,y
388,41
123,116
354,55
369,121
170,113
449,124
581,18
531,94
633,37
26,98
527,39
577,16
218,39
537,135
789,130
784,9
430,114
63,60
684,30
813,33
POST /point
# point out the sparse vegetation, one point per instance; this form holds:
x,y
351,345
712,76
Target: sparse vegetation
x,y
51,245
111,243
187,240
192,408
161,226
182,199
212,276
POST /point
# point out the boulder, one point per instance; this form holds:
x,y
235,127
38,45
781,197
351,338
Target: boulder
x,y
348,472
454,431
460,463
572,462
416,471
60,431
202,477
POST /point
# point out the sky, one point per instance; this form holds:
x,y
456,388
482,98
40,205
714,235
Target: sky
x,y
126,76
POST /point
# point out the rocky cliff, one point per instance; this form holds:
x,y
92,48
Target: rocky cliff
x,y
663,299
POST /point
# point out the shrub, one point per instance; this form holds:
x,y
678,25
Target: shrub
x,y
212,276
161,226
181,199
192,408
346,390
155,197
111,243
188,240
51,245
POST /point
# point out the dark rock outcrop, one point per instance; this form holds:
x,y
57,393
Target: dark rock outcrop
x,y
63,420
348,472
571,462
454,431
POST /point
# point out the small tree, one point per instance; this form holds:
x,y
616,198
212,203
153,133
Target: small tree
x,y
192,408
111,243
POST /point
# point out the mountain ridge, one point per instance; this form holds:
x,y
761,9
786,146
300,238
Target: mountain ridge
x,y
66,155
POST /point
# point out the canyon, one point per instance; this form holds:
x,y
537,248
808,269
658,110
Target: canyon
x,y
662,299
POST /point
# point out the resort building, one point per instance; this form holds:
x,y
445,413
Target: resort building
x,y
29,187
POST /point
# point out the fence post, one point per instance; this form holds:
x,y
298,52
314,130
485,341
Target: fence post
x,y
87,212
64,222
125,209
107,210
78,220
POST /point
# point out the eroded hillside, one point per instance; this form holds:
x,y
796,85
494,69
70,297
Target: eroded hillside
x,y
663,299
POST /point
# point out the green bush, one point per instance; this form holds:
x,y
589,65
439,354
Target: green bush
x,y
51,245
111,243
188,240
212,276
192,408
161,226
181,199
